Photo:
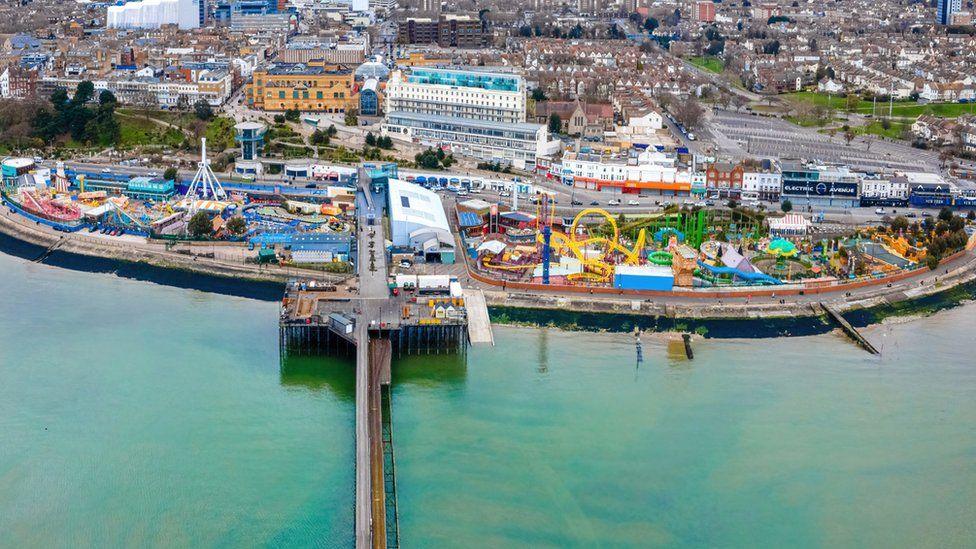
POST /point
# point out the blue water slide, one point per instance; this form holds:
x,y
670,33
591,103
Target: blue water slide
x,y
761,278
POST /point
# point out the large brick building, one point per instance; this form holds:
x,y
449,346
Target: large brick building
x,y
724,180
448,31
306,87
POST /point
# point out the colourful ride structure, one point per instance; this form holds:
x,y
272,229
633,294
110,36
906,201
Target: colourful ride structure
x,y
595,253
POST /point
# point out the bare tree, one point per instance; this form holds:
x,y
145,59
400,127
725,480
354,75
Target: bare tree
x,y
689,113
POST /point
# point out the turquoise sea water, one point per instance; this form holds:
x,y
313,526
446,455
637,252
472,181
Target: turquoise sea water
x,y
133,414
558,439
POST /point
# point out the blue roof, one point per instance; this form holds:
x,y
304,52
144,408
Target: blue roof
x,y
518,216
469,219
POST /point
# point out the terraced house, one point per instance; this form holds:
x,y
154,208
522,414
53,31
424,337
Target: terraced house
x,y
311,87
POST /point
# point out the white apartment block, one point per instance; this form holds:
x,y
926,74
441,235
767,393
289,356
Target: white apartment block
x,y
470,94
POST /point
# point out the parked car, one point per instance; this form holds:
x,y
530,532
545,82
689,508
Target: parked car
x,y
633,203
504,194
879,211
613,202
595,203
577,202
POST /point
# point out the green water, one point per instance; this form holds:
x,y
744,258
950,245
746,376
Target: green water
x,y
558,439
138,415
133,414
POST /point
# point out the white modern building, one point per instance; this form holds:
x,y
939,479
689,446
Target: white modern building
x,y
152,14
418,221
492,97
518,144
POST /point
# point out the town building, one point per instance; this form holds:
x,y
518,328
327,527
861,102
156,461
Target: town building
x,y
478,95
724,180
809,185
306,87
651,173
516,144
944,10
152,14
447,31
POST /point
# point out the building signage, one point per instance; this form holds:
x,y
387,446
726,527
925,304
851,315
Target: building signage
x,y
820,188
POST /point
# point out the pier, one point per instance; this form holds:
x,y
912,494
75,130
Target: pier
x,y
373,323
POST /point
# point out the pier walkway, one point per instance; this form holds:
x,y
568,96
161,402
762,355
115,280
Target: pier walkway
x,y
373,293
479,325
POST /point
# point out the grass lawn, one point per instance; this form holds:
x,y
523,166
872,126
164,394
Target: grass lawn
x,y
136,131
909,109
894,131
708,63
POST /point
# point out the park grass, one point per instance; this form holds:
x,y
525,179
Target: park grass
x,y
894,131
904,108
138,132
708,63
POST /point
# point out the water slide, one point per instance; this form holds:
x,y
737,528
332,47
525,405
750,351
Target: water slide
x,y
757,276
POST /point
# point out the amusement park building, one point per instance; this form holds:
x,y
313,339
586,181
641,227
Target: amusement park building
x,y
651,173
418,221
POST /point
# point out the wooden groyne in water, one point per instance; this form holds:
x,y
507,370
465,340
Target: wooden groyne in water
x,y
848,329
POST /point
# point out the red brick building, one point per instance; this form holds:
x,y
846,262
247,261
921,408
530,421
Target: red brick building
x,y
705,11
724,180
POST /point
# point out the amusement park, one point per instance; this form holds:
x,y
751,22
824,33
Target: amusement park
x,y
691,247
305,226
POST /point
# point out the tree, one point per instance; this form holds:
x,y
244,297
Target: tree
x,y
538,95
319,137
932,262
732,204
384,142
331,131
689,113
352,117
171,174
200,225
236,225
786,206
203,109
555,124
650,24
945,214
849,136
370,139
293,115
84,93
899,223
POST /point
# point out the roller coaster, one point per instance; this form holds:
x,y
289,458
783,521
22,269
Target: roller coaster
x,y
592,251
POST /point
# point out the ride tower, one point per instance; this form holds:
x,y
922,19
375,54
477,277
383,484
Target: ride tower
x,y
544,225
204,181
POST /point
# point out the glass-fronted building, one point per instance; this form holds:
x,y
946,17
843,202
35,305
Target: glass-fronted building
x,y
515,144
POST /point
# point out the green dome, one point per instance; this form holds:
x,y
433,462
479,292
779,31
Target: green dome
x,y
781,247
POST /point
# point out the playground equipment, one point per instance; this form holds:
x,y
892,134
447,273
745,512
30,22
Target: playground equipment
x,y
660,257
782,248
690,226
51,209
900,247
754,277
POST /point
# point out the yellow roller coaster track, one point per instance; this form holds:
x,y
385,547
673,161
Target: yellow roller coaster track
x,y
596,268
